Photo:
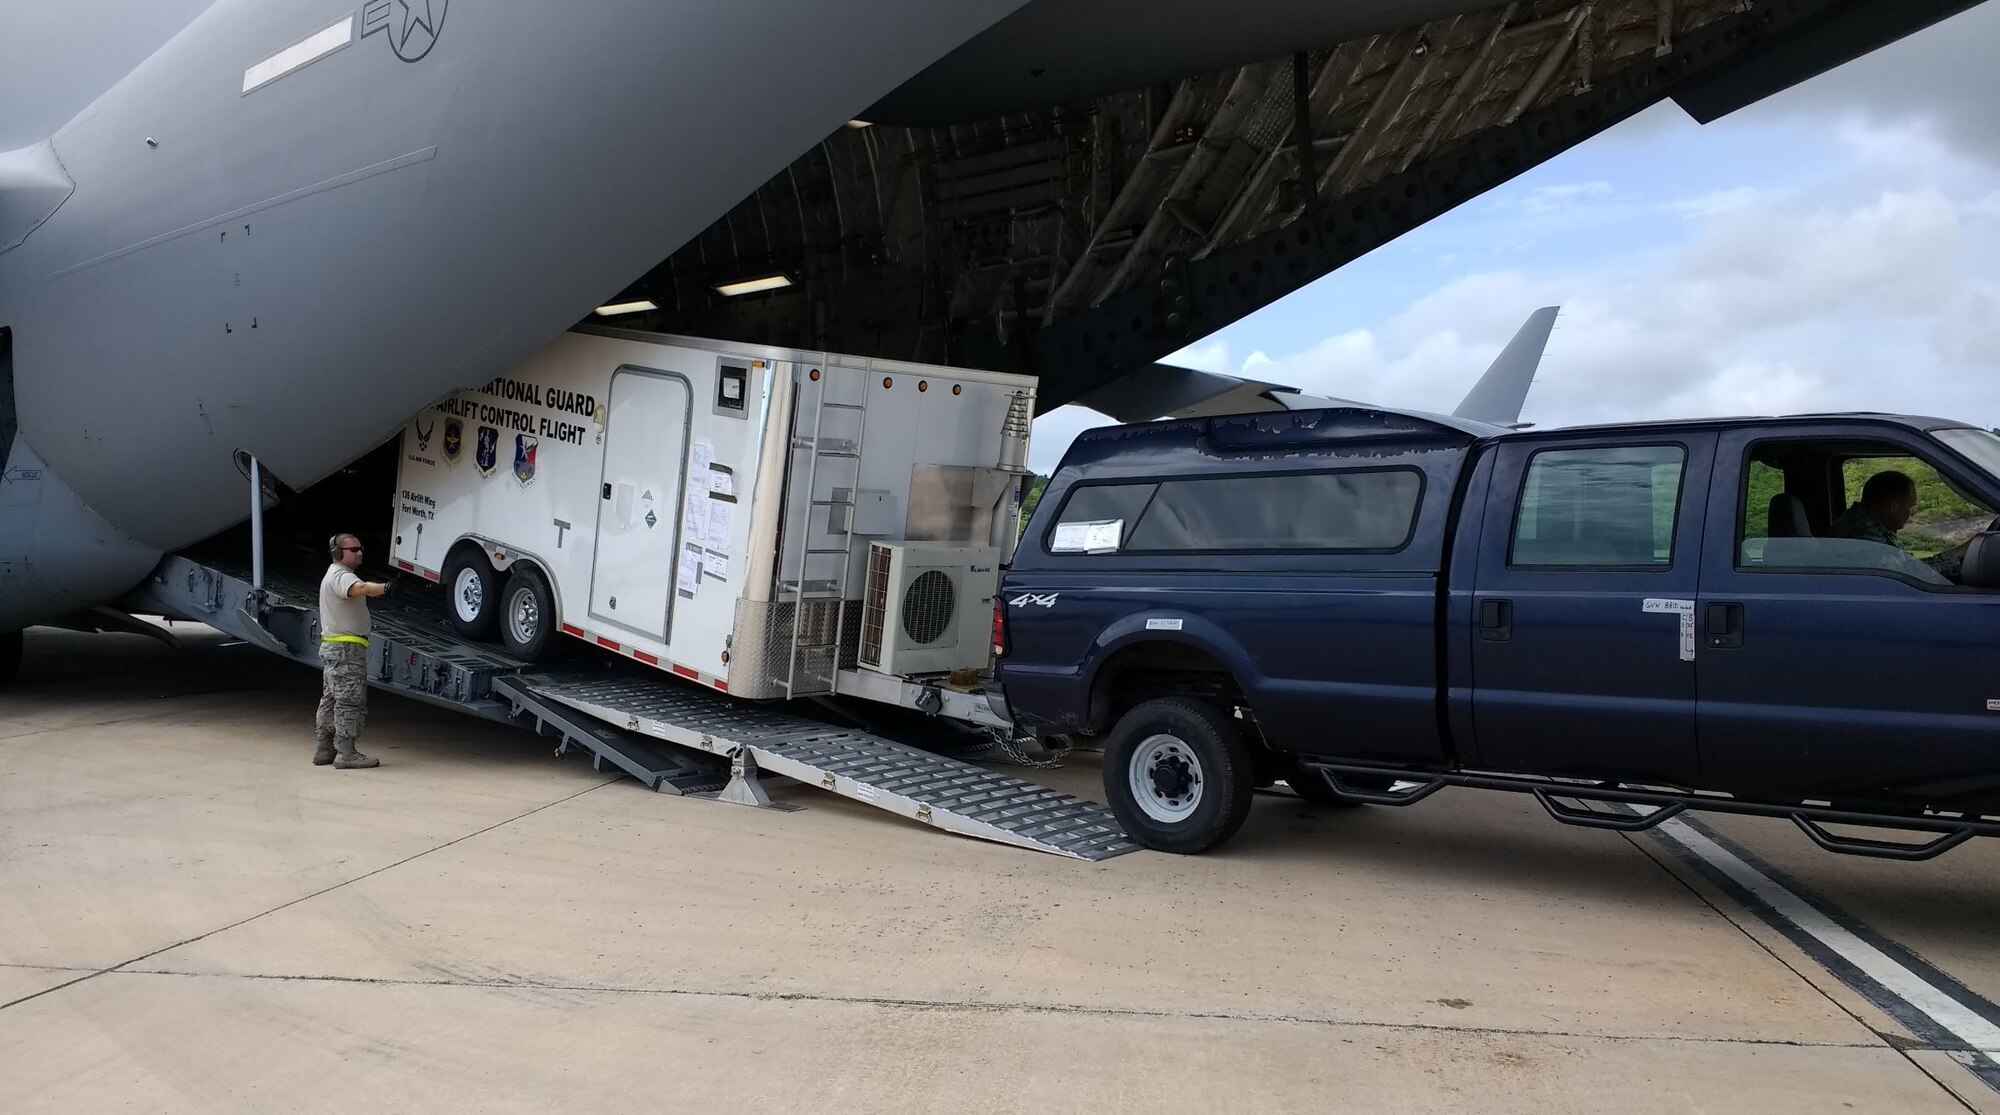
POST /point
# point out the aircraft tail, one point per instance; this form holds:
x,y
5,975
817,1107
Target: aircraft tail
x,y
1498,395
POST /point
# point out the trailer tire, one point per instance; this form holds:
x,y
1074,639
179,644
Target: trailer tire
x,y
472,589
1178,774
10,657
527,614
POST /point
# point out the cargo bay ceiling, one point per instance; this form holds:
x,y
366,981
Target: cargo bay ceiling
x,y
1031,204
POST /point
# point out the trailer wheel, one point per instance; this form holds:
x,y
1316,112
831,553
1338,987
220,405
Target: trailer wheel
x,y
527,614
1178,774
472,594
10,656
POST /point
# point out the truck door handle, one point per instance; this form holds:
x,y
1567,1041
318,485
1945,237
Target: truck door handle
x,y
1496,620
1725,626
607,491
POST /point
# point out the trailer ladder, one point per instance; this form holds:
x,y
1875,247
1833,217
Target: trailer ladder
x,y
604,708
939,791
815,597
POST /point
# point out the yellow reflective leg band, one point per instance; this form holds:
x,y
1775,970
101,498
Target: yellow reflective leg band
x,y
356,639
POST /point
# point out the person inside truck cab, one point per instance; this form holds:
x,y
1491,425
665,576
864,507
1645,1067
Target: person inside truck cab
x,y
1888,500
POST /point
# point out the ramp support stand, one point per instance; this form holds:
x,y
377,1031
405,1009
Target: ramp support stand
x,y
745,786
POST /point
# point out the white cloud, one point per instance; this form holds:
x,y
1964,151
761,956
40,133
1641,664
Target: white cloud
x,y
1563,196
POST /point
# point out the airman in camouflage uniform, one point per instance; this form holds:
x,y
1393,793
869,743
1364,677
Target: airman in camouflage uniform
x,y
1887,502
343,657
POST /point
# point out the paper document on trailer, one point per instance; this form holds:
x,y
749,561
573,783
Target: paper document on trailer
x,y
719,521
690,571
694,517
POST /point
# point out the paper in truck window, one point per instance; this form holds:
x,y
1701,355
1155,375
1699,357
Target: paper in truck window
x,y
1100,537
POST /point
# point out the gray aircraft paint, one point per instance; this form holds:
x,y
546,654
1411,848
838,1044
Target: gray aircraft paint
x,y
294,270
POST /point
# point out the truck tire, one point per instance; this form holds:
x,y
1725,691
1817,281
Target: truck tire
x,y
472,589
10,657
1178,774
527,614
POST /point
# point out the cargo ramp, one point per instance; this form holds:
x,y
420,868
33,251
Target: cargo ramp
x,y
667,735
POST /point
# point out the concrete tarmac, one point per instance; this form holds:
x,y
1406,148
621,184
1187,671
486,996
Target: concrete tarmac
x,y
193,918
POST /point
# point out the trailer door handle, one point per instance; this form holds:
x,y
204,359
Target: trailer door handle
x,y
1725,626
607,491
1496,620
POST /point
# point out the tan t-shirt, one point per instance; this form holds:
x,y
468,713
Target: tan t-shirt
x,y
338,613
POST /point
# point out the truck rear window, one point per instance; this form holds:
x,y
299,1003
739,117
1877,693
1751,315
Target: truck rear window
x,y
1369,511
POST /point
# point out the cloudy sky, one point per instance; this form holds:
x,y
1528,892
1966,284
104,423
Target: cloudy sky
x,y
1836,247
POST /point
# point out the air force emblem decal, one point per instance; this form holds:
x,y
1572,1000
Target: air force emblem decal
x,y
412,26
454,439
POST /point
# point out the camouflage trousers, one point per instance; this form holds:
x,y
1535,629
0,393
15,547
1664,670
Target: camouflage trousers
x,y
343,699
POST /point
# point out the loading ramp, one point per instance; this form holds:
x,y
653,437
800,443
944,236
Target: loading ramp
x,y
669,736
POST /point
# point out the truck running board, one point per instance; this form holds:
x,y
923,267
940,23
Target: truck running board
x,y
1660,805
938,791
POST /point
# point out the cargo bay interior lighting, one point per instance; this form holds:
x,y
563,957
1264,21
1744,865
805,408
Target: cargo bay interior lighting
x,y
617,308
754,286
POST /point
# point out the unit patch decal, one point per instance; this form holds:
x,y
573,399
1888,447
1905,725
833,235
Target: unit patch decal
x,y
454,440
524,459
487,455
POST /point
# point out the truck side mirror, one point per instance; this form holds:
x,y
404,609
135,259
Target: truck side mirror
x,y
1981,567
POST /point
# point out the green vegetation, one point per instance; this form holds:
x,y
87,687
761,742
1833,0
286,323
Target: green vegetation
x,y
1037,483
1943,518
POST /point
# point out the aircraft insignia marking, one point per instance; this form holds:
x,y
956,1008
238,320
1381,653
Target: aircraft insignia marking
x,y
412,26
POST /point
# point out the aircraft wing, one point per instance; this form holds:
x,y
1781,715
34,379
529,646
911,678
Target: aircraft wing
x,y
1170,391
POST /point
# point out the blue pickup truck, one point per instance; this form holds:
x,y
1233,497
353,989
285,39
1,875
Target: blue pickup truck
x,y
1624,621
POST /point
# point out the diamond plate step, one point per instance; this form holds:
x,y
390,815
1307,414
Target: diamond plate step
x,y
944,793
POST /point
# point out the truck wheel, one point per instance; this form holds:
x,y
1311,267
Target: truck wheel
x,y
527,614
10,657
472,594
1177,773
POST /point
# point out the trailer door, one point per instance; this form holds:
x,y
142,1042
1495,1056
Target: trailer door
x,y
638,512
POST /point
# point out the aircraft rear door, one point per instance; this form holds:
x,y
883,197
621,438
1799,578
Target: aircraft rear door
x,y
638,518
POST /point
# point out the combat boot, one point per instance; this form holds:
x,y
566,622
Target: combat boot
x,y
325,753
350,757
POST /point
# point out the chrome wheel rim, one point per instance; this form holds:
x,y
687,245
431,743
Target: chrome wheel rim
x,y
524,617
468,594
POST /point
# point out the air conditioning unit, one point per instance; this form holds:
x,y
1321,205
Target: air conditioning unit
x,y
928,608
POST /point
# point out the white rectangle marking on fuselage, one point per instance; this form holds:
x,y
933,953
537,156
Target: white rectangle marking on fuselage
x,y
340,34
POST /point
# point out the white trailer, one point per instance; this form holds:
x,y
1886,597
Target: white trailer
x,y
766,522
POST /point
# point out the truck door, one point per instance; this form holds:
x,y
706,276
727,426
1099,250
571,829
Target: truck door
x,y
1583,603
639,506
1837,667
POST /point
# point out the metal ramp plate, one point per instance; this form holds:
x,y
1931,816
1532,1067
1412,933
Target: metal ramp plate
x,y
670,770
944,793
